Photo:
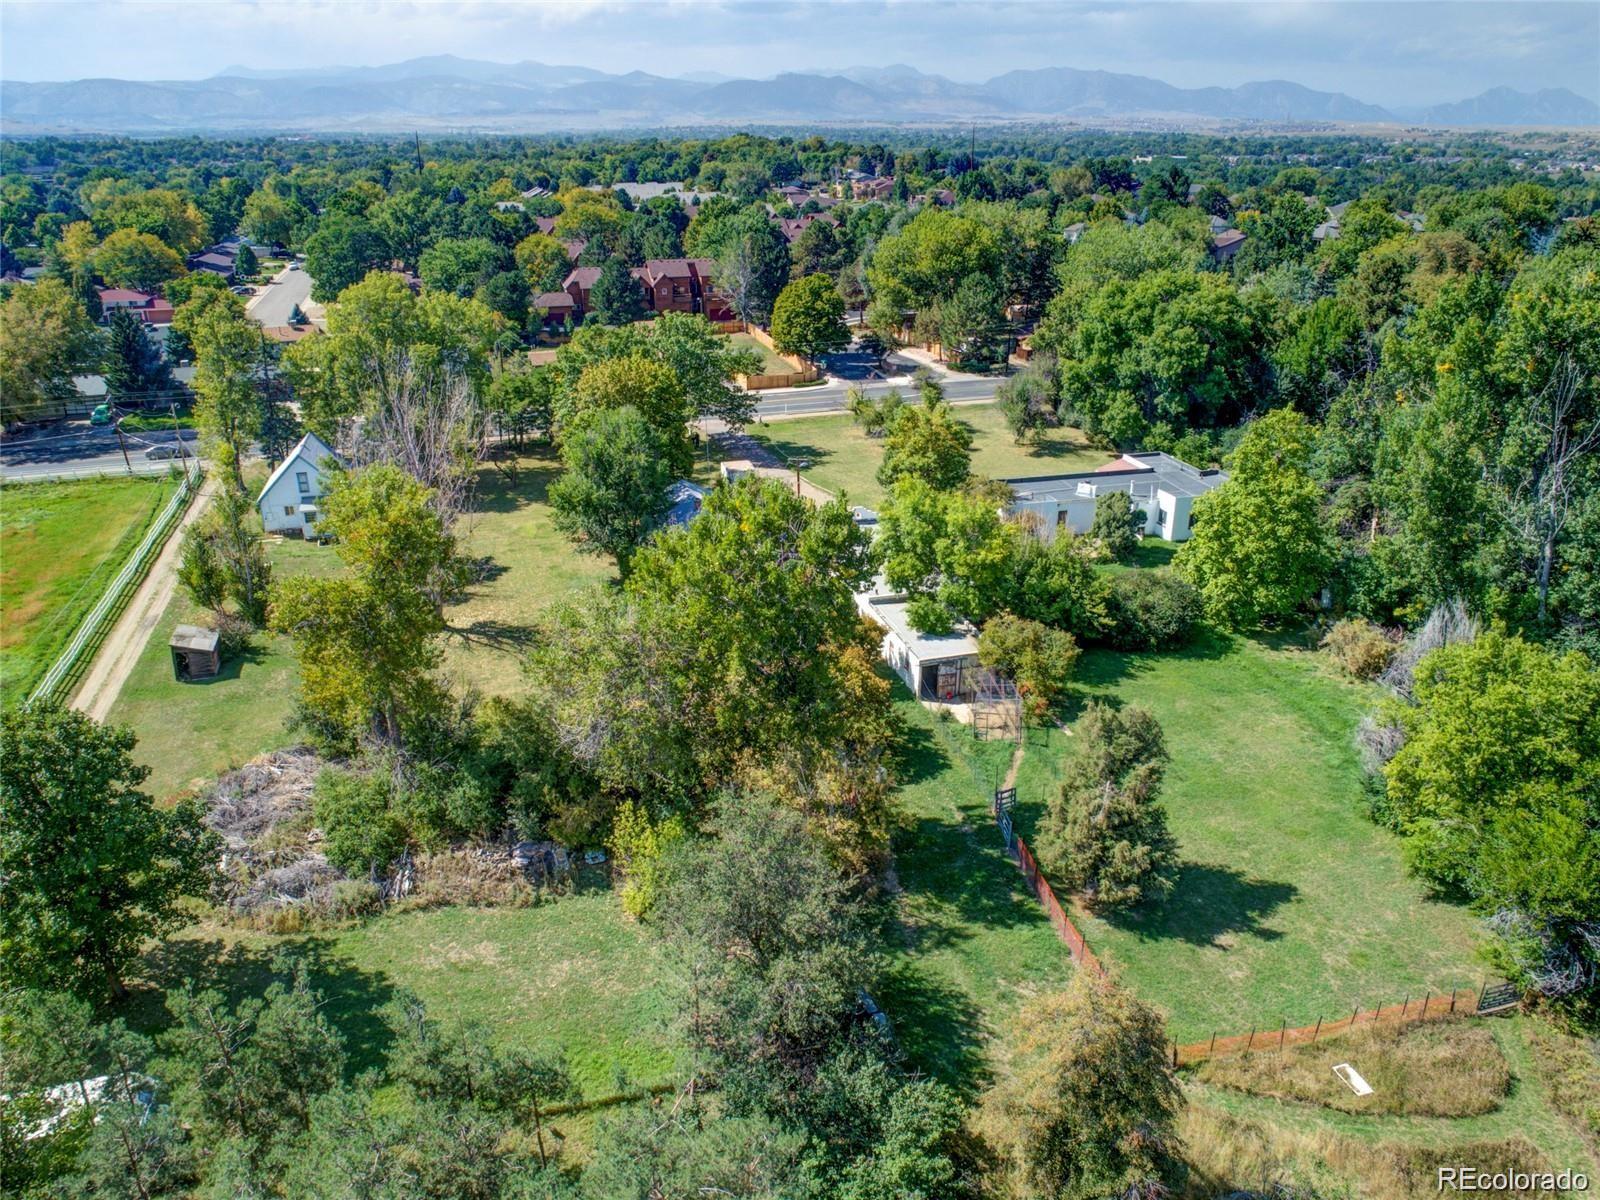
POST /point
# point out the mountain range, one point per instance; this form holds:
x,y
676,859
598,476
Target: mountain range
x,y
446,92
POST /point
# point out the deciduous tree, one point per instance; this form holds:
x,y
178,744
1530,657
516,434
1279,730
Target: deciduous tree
x,y
75,920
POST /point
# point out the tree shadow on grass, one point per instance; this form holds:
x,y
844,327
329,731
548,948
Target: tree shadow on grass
x,y
958,880
919,757
1209,903
789,450
938,1027
495,493
352,998
506,636
1101,668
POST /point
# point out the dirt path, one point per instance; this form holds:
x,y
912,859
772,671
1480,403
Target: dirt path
x,y
126,642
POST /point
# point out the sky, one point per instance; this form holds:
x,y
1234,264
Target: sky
x,y
1390,52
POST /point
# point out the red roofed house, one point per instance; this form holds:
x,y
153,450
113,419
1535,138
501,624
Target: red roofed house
x,y
557,306
684,285
152,310
791,227
579,284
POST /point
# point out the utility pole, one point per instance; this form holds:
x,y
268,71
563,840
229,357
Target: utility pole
x,y
123,446
183,451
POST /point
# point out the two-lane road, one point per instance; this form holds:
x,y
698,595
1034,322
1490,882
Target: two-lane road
x,y
66,451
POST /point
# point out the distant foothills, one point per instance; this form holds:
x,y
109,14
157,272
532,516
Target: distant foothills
x,y
446,92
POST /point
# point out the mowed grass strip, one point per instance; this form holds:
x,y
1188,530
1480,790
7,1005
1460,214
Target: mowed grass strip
x,y
843,459
60,545
1290,903
572,973
967,942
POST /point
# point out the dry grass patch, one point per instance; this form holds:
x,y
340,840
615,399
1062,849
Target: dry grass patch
x,y
1431,1069
1569,1067
1228,1154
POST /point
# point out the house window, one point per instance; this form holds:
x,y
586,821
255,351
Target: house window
x,y
288,510
1164,517
304,480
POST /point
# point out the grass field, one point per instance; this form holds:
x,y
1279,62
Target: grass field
x,y
188,732
529,566
572,973
1290,903
967,941
60,544
843,459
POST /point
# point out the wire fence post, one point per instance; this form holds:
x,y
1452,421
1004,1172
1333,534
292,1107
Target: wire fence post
x,y
1316,1031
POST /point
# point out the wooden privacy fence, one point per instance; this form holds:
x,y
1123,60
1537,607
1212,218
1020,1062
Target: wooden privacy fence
x,y
1004,800
1490,998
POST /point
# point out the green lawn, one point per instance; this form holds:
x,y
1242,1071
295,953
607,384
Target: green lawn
x,y
60,545
843,459
967,941
573,973
529,565
772,363
1290,903
188,732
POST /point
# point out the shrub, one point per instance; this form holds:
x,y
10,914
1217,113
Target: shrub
x,y
638,844
1359,647
235,635
1040,659
359,832
1151,610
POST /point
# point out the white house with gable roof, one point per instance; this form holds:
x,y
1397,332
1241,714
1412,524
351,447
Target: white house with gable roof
x,y
288,503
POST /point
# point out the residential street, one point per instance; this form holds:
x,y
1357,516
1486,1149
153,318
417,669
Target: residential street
x,y
276,300
82,449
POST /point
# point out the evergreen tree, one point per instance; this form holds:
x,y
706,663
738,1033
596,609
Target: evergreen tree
x,y
617,298
1105,835
134,366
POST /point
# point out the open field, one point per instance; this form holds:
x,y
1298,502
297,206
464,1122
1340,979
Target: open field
x,y
572,972
60,544
968,943
1290,903
843,459
190,731
1366,1146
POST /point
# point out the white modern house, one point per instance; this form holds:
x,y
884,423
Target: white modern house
x,y
1162,487
288,503
935,666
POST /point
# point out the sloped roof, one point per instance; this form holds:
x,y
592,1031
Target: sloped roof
x,y
311,448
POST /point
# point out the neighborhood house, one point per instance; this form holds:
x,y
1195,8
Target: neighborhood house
x,y
942,667
288,503
1162,487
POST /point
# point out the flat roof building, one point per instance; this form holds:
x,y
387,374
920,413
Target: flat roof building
x,y
1164,488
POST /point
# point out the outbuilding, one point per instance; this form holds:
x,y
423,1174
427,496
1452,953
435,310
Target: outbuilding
x,y
194,653
940,667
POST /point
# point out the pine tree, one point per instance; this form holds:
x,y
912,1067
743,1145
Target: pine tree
x,y
136,366
1105,835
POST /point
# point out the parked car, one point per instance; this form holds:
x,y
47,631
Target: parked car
x,y
101,415
294,266
156,453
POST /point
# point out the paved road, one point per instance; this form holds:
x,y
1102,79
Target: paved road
x,y
276,300
80,448
830,397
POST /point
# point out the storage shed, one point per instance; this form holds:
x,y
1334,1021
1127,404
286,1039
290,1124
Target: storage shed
x,y
194,653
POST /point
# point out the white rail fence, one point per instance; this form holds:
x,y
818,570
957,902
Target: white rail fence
x,y
109,606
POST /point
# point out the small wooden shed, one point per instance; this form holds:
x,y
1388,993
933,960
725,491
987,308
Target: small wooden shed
x,y
194,653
